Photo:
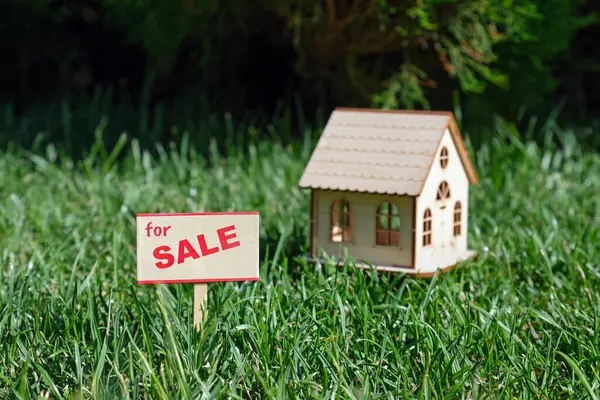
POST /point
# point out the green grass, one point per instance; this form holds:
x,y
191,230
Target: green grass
x,y
522,321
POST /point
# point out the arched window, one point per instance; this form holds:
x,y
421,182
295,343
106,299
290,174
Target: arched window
x,y
341,221
444,157
457,218
388,225
443,191
427,228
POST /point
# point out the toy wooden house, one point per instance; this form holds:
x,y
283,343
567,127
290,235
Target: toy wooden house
x,y
389,189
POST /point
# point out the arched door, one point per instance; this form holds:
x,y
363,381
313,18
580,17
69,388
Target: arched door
x,y
443,200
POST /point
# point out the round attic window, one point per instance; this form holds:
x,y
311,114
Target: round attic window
x,y
444,157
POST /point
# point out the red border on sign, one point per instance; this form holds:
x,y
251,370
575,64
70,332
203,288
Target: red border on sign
x,y
198,213
196,281
155,282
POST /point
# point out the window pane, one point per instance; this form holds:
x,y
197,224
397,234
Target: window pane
x,y
348,235
382,216
384,208
383,222
382,238
336,234
394,238
378,222
344,220
395,223
443,191
340,220
335,212
341,208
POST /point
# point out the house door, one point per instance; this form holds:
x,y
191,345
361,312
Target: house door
x,y
443,198
445,227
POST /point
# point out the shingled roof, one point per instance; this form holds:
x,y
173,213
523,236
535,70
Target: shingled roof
x,y
380,151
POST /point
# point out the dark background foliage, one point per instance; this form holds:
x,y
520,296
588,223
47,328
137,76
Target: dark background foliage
x,y
146,66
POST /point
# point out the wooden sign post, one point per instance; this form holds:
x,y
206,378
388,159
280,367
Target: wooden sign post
x,y
197,248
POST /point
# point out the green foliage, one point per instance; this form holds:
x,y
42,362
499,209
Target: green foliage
x,y
402,89
522,321
475,39
529,63
376,52
160,27
163,27
459,37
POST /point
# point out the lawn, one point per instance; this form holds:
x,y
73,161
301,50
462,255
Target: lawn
x,y
521,321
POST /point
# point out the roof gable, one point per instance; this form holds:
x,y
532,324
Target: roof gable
x,y
380,151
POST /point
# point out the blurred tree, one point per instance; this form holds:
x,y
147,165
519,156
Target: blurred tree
x,y
245,55
201,46
388,51
31,44
532,66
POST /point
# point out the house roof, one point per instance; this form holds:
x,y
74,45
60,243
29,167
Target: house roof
x,y
381,151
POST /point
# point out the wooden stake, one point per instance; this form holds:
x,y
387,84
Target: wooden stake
x,y
200,292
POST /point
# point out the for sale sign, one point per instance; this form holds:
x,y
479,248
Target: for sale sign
x,y
197,247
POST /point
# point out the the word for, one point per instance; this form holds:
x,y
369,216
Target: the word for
x,y
185,249
157,230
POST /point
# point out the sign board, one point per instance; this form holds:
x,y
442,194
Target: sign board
x,y
197,247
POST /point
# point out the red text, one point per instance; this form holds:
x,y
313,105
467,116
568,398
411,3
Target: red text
x,y
196,248
157,230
